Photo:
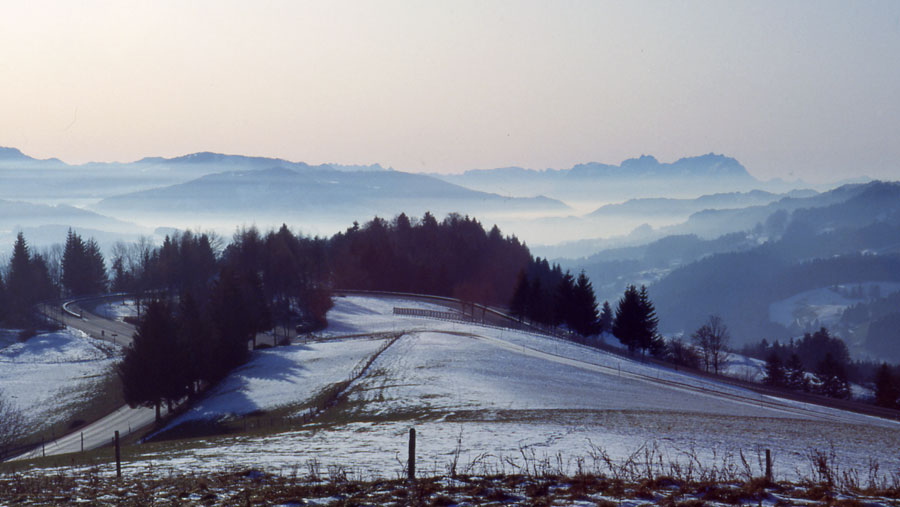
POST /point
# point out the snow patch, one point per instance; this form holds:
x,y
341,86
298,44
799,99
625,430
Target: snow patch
x,y
47,376
280,377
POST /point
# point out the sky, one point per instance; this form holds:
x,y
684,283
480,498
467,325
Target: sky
x,y
798,89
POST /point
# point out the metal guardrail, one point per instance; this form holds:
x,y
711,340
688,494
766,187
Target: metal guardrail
x,y
432,314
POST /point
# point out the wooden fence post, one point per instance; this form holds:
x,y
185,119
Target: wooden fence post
x,y
82,441
411,468
768,466
118,458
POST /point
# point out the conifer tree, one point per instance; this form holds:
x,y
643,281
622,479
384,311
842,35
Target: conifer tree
x,y
886,393
564,302
650,339
519,304
795,374
606,318
584,317
628,325
83,267
775,374
19,282
831,378
27,283
150,371
4,305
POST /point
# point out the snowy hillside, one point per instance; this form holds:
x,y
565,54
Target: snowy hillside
x,y
486,397
49,375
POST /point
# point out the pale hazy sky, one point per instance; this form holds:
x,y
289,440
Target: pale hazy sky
x,y
791,89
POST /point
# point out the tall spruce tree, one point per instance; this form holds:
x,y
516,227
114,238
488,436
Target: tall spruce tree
x,y
585,319
83,266
150,371
775,374
564,302
886,393
606,318
650,339
519,304
628,325
831,378
796,374
19,283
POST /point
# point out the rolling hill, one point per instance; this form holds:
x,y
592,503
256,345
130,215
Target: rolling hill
x,y
281,194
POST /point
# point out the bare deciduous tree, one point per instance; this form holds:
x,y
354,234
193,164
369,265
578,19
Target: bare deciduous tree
x,y
712,339
12,425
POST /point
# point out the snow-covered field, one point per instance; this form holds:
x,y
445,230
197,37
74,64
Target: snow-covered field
x,y
492,397
49,375
281,377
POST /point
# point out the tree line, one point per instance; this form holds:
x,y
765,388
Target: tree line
x,y
32,277
283,280
820,363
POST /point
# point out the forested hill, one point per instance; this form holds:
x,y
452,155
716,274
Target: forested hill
x,y
848,243
455,257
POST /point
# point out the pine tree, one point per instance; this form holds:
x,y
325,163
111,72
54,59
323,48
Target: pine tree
x,y
194,336
539,309
564,302
95,277
831,378
775,374
628,325
150,371
20,289
519,304
4,304
584,317
83,267
886,393
795,374
73,264
606,318
650,339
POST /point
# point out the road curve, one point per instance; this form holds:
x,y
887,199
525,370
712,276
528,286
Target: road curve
x,y
125,420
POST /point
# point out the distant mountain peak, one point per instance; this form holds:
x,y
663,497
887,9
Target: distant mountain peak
x,y
12,154
644,161
709,165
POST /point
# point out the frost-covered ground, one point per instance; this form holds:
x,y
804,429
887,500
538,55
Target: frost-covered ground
x,y
117,310
281,377
49,375
492,399
823,307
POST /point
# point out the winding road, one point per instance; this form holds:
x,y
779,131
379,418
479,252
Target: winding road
x,y
125,420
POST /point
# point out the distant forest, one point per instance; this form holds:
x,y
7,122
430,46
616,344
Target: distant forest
x,y
293,274
203,301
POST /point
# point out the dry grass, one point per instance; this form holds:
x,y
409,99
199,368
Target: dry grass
x,y
97,486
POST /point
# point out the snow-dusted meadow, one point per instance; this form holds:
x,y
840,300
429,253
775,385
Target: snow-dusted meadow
x,y
281,377
51,374
493,398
